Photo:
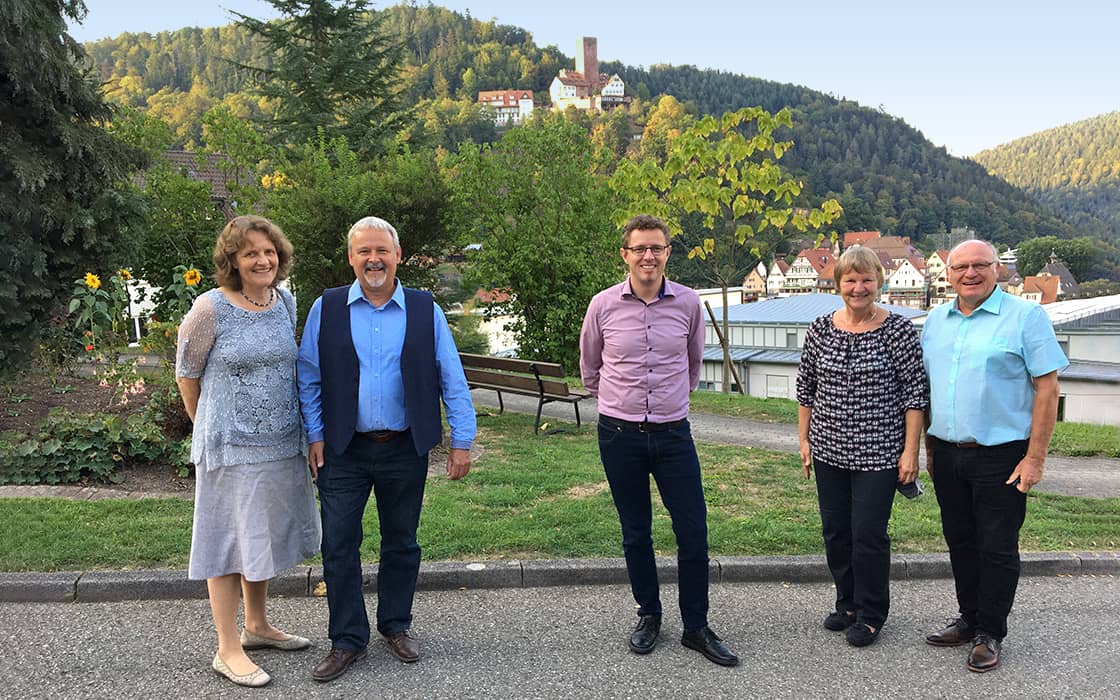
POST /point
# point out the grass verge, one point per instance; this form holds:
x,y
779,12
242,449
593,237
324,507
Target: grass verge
x,y
1071,439
538,496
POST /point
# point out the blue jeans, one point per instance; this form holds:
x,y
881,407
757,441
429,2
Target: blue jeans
x,y
855,508
980,517
396,475
629,458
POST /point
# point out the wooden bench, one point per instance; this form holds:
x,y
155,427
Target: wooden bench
x,y
524,377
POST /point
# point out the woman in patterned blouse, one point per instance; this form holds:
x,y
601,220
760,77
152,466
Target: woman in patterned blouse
x,y
862,393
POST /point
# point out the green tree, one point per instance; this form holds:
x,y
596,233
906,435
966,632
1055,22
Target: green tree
x,y
542,217
327,187
181,220
720,178
1077,254
334,68
60,200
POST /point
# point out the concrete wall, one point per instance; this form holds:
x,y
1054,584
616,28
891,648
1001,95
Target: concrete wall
x,y
1091,402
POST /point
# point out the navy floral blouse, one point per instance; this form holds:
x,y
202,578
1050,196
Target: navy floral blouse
x,y
860,386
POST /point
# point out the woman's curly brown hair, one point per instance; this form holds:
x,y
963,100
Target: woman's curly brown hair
x,y
232,238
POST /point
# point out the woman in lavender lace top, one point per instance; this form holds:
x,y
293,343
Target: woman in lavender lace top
x,y
255,513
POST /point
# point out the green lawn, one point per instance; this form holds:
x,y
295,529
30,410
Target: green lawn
x,y
1071,439
537,496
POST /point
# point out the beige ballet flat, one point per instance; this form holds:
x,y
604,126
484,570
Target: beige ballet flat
x,y
256,679
255,641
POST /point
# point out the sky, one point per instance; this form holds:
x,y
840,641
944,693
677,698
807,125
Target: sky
x,y
968,75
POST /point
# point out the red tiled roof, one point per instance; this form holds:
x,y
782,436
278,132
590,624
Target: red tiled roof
x,y
492,296
859,237
817,257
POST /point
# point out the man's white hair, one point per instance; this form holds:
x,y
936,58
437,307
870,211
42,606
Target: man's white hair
x,y
373,223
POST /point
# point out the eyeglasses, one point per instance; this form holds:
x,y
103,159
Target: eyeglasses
x,y
979,267
640,250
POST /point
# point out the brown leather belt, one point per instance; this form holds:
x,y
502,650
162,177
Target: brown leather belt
x,y
381,435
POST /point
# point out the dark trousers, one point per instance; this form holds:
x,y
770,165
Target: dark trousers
x,y
981,516
855,508
396,474
629,458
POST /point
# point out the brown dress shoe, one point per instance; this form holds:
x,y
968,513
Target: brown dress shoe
x,y
335,664
403,646
984,656
958,632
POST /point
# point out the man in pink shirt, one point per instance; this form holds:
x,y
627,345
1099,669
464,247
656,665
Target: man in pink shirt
x,y
641,348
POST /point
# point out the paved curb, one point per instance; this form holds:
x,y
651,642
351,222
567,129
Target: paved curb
x,y
162,584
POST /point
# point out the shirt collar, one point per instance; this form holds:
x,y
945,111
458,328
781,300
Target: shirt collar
x,y
991,305
356,293
664,291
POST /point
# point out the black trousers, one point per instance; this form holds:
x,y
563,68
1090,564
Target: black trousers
x,y
981,516
855,508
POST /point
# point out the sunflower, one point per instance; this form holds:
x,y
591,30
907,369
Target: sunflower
x,y
192,277
124,274
93,281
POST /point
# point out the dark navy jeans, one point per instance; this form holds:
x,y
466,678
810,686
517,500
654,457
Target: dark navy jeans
x,y
981,516
396,474
630,457
855,508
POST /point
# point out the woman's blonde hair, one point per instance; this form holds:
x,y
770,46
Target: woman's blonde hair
x,y
232,238
861,260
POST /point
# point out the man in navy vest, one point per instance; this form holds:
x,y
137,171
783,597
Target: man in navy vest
x,y
375,361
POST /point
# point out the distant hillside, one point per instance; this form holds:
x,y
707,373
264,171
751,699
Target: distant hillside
x,y
884,172
1074,169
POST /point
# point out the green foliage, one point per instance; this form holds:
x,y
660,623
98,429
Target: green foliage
x,y
68,447
177,298
541,214
1080,255
1077,155
326,187
334,72
467,334
61,203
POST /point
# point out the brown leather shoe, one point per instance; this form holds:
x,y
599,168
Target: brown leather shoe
x,y
984,656
335,664
403,646
958,632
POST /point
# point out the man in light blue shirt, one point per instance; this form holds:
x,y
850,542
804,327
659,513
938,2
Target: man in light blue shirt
x,y
993,362
375,362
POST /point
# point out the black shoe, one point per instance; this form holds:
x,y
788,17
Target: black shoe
x,y
860,635
644,638
839,621
708,643
956,633
335,664
984,656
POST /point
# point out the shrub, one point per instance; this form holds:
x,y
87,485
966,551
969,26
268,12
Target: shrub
x,y
68,447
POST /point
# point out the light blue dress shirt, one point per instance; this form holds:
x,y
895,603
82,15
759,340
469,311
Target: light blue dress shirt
x,y
378,335
981,366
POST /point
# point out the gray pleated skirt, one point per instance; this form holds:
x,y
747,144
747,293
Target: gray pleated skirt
x,y
253,519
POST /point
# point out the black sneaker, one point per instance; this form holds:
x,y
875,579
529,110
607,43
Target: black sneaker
x,y
861,635
839,621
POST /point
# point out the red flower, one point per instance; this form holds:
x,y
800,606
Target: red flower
x,y
89,348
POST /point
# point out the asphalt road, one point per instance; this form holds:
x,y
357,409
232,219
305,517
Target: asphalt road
x,y
1094,477
569,642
